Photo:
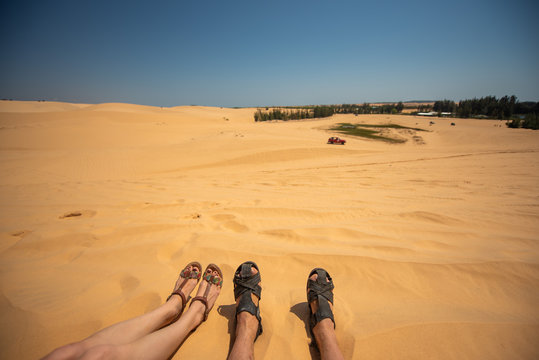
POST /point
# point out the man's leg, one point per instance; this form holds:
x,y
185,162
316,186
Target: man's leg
x,y
246,328
324,333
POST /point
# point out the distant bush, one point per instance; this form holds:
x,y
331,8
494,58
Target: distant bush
x,y
530,121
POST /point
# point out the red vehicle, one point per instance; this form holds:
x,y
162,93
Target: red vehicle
x,y
336,140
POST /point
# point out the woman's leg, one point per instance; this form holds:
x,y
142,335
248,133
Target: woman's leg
x,y
161,344
129,330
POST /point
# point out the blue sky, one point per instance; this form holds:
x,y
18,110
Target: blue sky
x,y
255,53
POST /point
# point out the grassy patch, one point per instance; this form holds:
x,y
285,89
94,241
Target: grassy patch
x,y
386,126
362,130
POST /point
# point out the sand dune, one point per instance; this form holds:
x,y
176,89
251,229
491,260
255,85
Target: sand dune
x,y
433,244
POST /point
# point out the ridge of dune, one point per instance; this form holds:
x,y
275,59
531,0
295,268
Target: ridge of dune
x,y
37,106
433,246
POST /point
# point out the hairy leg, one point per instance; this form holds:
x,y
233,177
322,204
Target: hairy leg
x,y
324,333
246,328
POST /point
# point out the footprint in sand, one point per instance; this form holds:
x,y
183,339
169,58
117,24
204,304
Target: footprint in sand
x,y
77,214
20,233
129,283
193,216
228,221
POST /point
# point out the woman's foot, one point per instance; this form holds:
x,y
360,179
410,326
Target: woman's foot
x,y
187,280
208,292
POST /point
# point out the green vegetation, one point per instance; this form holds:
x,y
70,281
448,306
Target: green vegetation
x,y
302,113
362,130
388,126
310,112
367,108
530,121
521,114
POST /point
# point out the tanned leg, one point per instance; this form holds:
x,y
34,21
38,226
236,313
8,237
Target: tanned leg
x,y
324,333
246,328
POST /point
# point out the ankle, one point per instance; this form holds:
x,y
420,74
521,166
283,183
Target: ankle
x,y
174,305
246,325
324,331
324,326
197,309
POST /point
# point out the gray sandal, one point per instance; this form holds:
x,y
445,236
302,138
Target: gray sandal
x,y
245,284
320,289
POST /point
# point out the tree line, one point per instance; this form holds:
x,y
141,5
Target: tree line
x,y
367,108
521,114
291,114
489,106
310,112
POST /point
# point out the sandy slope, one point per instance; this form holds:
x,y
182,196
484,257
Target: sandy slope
x,y
434,247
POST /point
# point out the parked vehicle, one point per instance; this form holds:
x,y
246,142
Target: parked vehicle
x,y
336,140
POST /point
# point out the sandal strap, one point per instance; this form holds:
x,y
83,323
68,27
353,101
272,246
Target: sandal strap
x,y
323,312
213,280
184,300
245,281
322,286
203,300
190,274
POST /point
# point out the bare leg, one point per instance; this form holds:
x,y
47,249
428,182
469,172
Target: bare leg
x,y
324,333
129,330
246,328
161,344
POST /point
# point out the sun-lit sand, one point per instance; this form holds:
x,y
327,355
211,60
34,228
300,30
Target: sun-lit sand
x,y
433,245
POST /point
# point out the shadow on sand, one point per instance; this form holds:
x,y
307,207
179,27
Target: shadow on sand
x,y
302,311
229,312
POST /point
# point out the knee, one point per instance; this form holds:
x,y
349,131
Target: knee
x,y
68,351
101,352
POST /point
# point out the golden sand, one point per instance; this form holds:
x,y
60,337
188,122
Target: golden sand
x,y
433,245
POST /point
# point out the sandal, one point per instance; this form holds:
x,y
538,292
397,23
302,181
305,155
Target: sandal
x,y
245,284
211,280
187,275
322,290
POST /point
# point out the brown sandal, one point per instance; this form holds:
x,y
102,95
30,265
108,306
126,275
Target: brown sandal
x,y
187,275
212,280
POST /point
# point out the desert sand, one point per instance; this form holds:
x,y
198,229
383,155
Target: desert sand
x,y
433,245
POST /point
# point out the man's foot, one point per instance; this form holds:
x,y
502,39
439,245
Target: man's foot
x,y
208,291
247,323
186,283
320,297
314,307
247,292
